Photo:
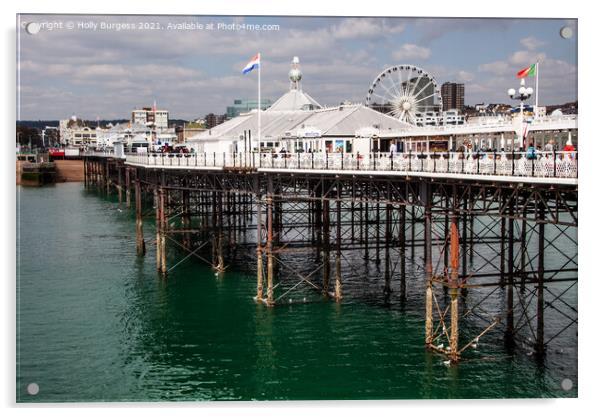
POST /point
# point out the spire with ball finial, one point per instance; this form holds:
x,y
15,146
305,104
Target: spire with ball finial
x,y
295,74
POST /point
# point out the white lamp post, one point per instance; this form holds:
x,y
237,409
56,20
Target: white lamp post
x,y
522,95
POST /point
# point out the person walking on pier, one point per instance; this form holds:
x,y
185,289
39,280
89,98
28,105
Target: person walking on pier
x,y
531,152
392,149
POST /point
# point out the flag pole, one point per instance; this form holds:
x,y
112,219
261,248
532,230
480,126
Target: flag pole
x,y
259,105
536,88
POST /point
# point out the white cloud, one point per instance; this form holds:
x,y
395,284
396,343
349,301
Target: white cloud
x,y
435,28
410,51
354,28
496,68
464,76
532,43
526,58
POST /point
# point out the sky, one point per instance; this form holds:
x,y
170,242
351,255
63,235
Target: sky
x,y
105,66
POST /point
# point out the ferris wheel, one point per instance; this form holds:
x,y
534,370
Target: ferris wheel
x,y
403,91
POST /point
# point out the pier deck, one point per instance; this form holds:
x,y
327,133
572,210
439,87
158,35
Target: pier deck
x,y
483,224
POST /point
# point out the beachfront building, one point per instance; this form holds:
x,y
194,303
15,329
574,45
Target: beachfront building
x,y
74,132
244,106
151,116
134,133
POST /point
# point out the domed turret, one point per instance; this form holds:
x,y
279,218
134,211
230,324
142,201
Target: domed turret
x,y
295,74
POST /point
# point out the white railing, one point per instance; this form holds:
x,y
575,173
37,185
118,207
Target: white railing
x,y
98,153
521,164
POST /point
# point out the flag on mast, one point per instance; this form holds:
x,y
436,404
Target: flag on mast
x,y
253,63
529,71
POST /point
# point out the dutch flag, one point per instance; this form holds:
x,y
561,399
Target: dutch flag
x,y
253,63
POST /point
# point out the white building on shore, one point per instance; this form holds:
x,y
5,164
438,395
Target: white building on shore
x,y
297,122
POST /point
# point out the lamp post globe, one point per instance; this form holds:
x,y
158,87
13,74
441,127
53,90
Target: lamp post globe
x,y
511,92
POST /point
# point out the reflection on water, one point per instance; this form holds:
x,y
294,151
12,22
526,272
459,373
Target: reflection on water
x,y
96,323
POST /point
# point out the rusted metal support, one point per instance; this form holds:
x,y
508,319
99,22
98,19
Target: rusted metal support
x,y
140,246
219,265
326,246
85,172
228,197
510,271
259,294
94,174
318,214
186,215
128,192
119,185
311,221
157,226
338,288
107,177
425,196
402,252
377,234
388,231
352,221
446,234
163,195
454,248
502,250
361,219
270,236
539,341
523,254
471,240
412,232
366,231
464,239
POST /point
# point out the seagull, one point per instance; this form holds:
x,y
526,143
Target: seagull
x,y
304,300
440,346
290,300
447,363
447,348
474,345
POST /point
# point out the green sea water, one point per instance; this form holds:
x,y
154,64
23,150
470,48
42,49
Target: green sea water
x,y
96,323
